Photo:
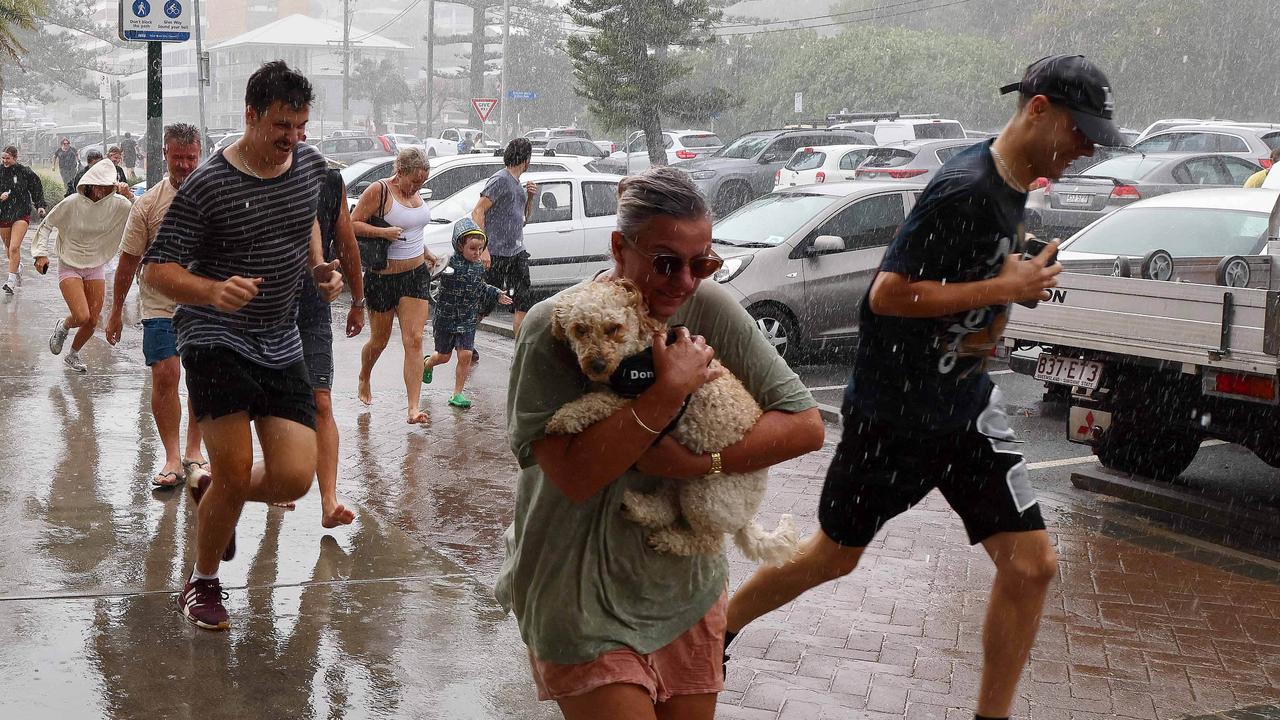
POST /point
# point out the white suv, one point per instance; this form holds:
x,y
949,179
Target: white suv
x,y
887,131
678,144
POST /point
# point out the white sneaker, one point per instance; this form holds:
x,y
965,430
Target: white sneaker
x,y
74,362
17,277
58,337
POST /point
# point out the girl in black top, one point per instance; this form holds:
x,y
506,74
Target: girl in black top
x,y
21,193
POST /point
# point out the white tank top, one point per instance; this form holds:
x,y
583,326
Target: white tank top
x,y
414,221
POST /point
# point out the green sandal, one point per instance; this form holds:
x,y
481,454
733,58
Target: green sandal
x,y
426,374
460,401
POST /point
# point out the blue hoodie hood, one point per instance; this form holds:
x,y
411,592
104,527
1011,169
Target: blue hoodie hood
x,y
464,227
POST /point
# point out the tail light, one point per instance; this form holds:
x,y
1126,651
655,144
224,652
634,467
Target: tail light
x,y
1256,387
822,177
895,174
777,176
386,143
1265,163
1125,192
686,154
1039,183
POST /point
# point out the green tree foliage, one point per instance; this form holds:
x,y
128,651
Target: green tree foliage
x,y
15,16
382,83
870,69
538,62
53,57
634,68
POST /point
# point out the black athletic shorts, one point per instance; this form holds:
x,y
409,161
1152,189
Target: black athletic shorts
x,y
879,472
222,382
510,274
382,292
317,349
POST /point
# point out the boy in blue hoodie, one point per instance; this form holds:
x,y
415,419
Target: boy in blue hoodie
x,y
463,292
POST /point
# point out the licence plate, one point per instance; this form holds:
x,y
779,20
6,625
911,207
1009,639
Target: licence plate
x,y
1068,371
1073,199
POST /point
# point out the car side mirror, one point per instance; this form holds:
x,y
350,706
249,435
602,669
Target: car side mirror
x,y
827,244
426,193
769,158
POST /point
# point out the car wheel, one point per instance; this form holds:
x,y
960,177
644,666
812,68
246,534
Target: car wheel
x,y
1157,265
731,197
1233,271
1129,446
778,328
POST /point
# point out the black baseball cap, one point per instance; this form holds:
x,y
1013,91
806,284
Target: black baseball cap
x,y
1078,85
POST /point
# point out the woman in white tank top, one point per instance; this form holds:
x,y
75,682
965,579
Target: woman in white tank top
x,y
401,289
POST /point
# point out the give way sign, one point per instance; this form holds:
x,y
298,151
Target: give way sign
x,y
484,107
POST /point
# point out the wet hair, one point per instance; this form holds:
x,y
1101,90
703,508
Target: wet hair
x,y
657,191
12,150
114,149
1275,155
92,157
181,133
276,82
518,152
411,160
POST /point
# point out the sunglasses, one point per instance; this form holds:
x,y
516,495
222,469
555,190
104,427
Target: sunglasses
x,y
701,267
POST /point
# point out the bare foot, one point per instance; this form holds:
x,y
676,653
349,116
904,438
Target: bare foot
x,y
418,417
364,391
340,515
284,505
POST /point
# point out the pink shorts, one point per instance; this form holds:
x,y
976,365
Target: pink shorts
x,y
692,664
98,272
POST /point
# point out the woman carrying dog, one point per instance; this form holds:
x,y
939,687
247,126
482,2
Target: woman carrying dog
x,y
402,288
614,628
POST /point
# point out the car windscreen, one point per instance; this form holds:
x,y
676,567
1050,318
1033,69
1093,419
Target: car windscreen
x,y
1183,232
939,131
771,219
887,158
807,159
1125,167
700,141
745,147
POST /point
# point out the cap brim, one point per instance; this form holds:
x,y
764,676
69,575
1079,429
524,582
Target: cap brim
x,y
1098,129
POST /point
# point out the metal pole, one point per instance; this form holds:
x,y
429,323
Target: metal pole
x,y
346,64
104,125
201,79
503,134
155,114
431,67
118,93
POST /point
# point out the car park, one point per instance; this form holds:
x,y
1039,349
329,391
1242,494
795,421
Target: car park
x,y
1074,201
1250,142
745,168
449,173
568,232
801,259
677,144
914,160
832,163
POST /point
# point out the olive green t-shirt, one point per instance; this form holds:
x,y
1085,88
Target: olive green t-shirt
x,y
580,577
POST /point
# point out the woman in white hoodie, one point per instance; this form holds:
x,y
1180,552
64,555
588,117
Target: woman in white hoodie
x,y
90,225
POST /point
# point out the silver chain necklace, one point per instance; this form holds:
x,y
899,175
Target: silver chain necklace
x,y
244,161
1004,170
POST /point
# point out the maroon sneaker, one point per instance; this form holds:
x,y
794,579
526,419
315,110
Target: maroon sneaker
x,y
198,492
201,604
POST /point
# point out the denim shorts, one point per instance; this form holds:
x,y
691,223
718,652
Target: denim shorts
x,y
446,341
159,341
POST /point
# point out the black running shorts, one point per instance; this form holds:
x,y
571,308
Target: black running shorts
x,y
221,382
510,274
879,472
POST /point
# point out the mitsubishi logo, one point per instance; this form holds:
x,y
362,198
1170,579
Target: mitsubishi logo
x,y
1086,429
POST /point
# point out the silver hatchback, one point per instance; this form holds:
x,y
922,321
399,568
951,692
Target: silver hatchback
x,y
800,260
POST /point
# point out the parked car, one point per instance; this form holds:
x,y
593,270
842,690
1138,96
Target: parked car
x,y
1074,201
609,146
744,169
1170,123
906,129
431,147
347,150
449,174
226,140
678,144
346,134
917,160
821,164
800,260
557,132
569,146
567,235
468,140
1246,141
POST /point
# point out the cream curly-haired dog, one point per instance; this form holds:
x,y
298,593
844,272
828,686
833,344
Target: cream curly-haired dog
x,y
606,322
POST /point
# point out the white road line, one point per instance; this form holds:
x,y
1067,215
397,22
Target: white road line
x,y
1085,460
1000,372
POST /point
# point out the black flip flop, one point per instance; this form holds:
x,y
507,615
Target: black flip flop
x,y
177,480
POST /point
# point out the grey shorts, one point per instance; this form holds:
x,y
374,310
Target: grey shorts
x,y
317,352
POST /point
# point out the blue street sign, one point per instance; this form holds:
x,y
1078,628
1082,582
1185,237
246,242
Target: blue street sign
x,y
173,9
142,8
522,95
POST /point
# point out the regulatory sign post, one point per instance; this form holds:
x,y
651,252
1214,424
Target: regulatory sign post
x,y
155,22
484,107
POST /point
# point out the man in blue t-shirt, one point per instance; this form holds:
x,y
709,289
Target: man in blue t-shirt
x,y
920,411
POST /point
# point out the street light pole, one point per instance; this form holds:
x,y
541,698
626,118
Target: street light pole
x,y
502,79
346,64
431,67
202,79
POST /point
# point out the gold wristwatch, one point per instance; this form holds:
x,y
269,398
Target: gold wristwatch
x,y
717,466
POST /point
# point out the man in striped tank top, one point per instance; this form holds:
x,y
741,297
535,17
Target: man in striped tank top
x,y
233,252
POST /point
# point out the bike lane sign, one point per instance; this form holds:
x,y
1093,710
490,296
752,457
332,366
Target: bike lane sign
x,y
155,20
